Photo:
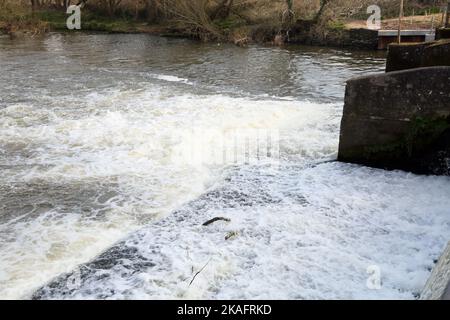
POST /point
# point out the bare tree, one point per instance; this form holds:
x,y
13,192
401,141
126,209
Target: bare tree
x,y
323,4
194,16
223,9
34,4
111,5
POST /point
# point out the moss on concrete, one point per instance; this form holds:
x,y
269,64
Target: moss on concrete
x,y
419,140
424,132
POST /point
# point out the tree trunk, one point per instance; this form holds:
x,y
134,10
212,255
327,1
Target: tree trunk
x,y
323,4
290,11
223,10
112,6
151,10
290,4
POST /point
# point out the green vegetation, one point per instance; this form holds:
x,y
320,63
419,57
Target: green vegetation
x,y
420,137
230,23
92,22
423,132
336,25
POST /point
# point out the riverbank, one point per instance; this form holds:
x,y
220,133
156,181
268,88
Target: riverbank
x,y
259,22
41,22
45,21
232,31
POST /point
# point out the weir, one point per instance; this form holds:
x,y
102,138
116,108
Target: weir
x,y
401,120
398,120
386,37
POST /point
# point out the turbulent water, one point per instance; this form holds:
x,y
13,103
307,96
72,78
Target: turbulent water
x,y
98,199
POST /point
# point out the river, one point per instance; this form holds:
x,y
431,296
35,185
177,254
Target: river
x,y
103,195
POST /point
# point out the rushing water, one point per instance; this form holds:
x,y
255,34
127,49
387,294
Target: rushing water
x,y
93,205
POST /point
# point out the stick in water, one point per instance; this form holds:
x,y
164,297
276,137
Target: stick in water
x,y
198,272
216,219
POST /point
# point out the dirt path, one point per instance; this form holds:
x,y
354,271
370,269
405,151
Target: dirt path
x,y
410,23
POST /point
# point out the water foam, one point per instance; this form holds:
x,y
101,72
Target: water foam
x,y
170,78
113,153
301,233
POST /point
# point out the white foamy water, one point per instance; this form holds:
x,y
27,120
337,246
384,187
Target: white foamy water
x,y
171,78
301,234
122,157
94,185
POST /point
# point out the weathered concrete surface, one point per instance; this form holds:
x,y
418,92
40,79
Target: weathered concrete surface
x,y
438,285
398,120
418,55
443,33
436,54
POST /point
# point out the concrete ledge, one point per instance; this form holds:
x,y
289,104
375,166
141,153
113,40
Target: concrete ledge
x,y
438,285
417,55
394,33
398,120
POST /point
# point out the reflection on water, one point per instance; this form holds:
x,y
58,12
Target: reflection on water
x,y
63,64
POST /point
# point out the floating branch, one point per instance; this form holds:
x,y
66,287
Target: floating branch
x,y
216,219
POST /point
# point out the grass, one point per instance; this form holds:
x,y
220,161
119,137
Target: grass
x,y
12,21
337,25
18,19
230,23
89,21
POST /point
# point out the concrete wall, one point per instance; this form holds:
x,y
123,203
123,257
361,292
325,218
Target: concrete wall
x,y
398,120
438,285
443,33
384,42
427,54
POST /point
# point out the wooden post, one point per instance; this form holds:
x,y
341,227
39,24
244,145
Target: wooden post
x,y
442,18
447,20
400,17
